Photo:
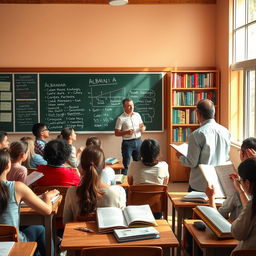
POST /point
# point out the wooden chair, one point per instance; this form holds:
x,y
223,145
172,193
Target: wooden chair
x,y
154,195
124,251
8,233
63,190
244,252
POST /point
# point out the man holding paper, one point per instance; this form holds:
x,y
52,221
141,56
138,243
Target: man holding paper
x,y
209,144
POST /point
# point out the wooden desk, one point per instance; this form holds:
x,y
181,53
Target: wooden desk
x,y
30,217
183,209
23,248
117,166
76,240
207,241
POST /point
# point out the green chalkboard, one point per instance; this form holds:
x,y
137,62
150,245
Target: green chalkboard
x,y
91,102
88,102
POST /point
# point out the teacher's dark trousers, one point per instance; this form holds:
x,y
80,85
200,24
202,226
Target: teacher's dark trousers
x,y
130,148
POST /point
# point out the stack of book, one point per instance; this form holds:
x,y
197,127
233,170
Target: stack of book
x,y
111,160
134,234
197,197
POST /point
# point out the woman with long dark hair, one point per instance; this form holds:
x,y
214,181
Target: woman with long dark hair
x,y
92,192
11,194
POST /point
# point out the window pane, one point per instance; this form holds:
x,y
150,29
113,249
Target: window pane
x,y
239,13
252,41
251,81
240,45
252,10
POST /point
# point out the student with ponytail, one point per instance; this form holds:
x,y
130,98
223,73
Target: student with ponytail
x,y
11,194
244,227
92,192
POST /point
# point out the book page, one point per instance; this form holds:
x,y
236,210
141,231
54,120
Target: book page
x,y
216,218
5,248
182,148
110,217
223,172
211,177
138,213
34,176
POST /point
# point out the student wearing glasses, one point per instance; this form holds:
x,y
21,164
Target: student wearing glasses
x,y
234,204
41,133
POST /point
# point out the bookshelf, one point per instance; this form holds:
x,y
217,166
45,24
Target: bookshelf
x,y
185,89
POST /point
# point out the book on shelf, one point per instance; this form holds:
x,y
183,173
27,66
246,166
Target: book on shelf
x,y
214,220
5,248
134,234
111,160
53,200
195,196
182,148
119,178
34,176
110,218
218,176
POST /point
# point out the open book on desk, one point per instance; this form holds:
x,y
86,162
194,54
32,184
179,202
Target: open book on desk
x,y
182,148
134,234
215,221
5,248
195,196
110,218
218,176
119,178
34,176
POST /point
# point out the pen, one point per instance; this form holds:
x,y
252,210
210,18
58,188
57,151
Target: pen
x,y
84,229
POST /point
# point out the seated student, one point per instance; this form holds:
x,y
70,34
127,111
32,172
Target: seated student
x,y
244,227
69,135
33,159
234,204
56,153
18,153
11,194
4,143
92,192
41,133
149,169
108,174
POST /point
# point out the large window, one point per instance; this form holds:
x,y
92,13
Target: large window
x,y
243,69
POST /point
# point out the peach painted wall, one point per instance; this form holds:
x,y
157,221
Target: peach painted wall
x,y
104,36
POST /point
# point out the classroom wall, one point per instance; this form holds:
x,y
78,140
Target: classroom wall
x,y
175,35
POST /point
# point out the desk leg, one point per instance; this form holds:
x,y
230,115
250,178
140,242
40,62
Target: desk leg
x,y
180,216
49,235
173,219
166,251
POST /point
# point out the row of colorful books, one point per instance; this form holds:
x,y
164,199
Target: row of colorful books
x,y
187,116
191,98
181,134
193,80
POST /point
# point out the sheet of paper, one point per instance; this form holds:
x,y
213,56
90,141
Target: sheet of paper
x,y
223,172
5,86
182,148
6,117
212,178
5,106
6,96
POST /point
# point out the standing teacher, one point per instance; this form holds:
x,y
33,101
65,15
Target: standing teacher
x,y
129,125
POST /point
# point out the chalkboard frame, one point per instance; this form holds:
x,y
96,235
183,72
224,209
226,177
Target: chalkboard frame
x,y
39,71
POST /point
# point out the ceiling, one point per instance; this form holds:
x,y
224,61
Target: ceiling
x,y
106,1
